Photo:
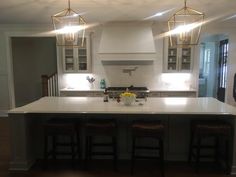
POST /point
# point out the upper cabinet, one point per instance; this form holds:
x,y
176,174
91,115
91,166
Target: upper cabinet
x,y
77,60
177,59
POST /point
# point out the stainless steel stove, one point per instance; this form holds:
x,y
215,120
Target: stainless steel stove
x,y
115,92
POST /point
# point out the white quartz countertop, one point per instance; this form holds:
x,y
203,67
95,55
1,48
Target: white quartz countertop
x,y
162,105
151,90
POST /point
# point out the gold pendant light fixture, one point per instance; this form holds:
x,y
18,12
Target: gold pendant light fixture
x,y
69,27
185,27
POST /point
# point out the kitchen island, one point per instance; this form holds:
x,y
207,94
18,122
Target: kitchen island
x,y
175,113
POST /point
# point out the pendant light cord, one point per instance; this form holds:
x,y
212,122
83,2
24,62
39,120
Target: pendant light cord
x,y
69,4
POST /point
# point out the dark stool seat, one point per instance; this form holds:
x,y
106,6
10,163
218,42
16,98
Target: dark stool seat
x,y
100,127
56,129
220,132
147,129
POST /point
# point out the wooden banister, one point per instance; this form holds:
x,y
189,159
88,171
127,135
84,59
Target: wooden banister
x,y
49,85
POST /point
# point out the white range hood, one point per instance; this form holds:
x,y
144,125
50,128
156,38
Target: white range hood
x,y
127,41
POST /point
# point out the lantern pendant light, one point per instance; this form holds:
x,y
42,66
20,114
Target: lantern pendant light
x,y
185,26
69,27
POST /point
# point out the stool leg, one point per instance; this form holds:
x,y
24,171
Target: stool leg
x,y
78,146
216,149
72,150
90,147
198,153
114,144
161,156
227,157
45,151
133,155
54,147
86,152
190,147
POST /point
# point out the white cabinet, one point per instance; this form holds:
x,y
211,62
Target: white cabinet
x,y
179,94
172,94
177,59
77,59
154,94
82,93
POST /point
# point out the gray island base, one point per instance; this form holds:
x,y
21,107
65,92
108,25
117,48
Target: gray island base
x,y
175,113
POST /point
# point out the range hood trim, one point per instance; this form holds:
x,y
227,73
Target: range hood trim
x,y
128,57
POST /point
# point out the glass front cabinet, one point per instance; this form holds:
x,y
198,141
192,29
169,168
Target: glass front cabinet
x,y
77,59
177,59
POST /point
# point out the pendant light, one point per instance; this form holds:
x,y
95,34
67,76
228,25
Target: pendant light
x,y
69,27
185,26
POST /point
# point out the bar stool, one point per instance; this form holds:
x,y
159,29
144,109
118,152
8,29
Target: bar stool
x,y
149,130
56,128
100,127
219,131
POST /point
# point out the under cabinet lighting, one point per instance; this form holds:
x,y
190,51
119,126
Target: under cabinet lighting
x,y
78,81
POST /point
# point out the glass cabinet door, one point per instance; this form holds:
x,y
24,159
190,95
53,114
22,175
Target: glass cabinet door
x,y
185,59
177,58
77,59
69,61
83,57
172,59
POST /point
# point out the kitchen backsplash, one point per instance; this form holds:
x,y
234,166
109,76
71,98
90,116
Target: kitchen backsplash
x,y
165,81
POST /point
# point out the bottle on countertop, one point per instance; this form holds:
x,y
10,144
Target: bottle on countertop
x,y
102,84
105,97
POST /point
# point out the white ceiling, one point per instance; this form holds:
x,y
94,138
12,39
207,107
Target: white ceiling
x,y
101,11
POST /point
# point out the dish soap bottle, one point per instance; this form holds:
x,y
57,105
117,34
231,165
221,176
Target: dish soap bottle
x,y
105,97
102,84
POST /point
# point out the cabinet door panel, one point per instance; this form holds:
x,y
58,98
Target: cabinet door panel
x,y
77,59
177,59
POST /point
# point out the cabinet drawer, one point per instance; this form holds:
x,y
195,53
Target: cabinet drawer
x,y
178,94
82,93
154,94
98,94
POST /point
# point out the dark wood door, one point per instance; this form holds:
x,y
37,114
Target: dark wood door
x,y
222,70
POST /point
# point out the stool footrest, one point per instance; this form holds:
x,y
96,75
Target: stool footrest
x,y
65,144
146,157
102,153
205,146
102,144
64,153
147,147
204,156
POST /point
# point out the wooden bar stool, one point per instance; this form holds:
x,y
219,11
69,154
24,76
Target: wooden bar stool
x,y
55,129
219,132
99,127
149,130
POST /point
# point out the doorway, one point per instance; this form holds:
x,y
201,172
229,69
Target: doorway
x,y
213,66
222,69
31,58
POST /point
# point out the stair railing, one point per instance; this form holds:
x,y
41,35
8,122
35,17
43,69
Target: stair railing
x,y
50,85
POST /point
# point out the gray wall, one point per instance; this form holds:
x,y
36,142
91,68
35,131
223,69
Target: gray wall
x,y
32,57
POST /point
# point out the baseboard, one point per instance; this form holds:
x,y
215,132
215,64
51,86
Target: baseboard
x,y
233,170
21,166
3,113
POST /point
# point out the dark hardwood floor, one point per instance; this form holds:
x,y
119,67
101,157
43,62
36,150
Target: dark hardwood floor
x,y
98,168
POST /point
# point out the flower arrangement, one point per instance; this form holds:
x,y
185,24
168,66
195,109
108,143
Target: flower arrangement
x,y
127,98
